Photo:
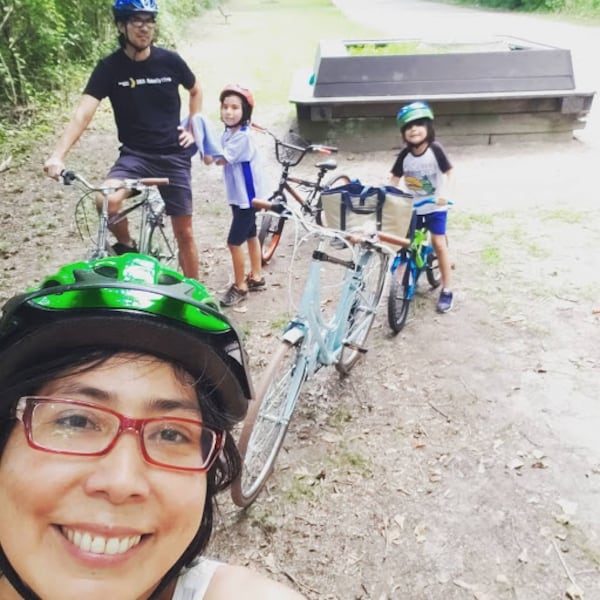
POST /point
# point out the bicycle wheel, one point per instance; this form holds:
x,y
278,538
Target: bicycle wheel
x,y
399,297
269,234
364,306
335,181
267,422
432,270
160,245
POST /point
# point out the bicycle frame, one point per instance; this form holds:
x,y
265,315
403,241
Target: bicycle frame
x,y
312,339
271,226
418,256
100,251
147,199
314,186
322,342
415,259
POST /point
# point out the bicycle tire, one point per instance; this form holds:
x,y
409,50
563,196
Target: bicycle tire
x,y
341,179
335,181
269,235
432,270
398,298
267,422
160,245
363,310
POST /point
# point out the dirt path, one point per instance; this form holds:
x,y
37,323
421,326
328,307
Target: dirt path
x,y
460,459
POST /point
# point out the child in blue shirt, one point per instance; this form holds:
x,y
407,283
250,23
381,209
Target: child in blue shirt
x,y
243,176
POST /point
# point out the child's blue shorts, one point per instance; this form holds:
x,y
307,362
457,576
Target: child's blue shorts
x,y
434,222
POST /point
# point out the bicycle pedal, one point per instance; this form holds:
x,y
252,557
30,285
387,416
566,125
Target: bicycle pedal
x,y
355,347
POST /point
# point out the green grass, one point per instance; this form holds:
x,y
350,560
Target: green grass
x,y
340,417
383,49
352,461
564,216
491,256
278,323
279,38
586,11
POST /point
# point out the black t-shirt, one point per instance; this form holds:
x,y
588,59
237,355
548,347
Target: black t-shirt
x,y
144,96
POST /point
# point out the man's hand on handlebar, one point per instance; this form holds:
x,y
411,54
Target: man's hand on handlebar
x,y
53,168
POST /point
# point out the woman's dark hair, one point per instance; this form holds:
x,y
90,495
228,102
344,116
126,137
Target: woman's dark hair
x,y
220,476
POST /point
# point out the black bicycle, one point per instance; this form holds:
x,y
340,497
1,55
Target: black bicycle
x,y
306,193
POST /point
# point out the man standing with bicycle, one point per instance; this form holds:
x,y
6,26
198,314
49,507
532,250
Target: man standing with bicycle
x,y
142,83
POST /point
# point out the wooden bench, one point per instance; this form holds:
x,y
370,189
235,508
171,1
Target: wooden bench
x,y
524,92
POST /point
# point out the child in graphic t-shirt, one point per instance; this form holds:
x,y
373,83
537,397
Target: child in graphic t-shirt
x,y
425,169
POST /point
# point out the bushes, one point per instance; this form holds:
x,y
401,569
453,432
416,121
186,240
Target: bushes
x,y
571,7
43,41
39,38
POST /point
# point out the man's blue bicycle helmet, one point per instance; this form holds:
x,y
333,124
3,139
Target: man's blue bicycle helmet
x,y
413,112
123,9
128,303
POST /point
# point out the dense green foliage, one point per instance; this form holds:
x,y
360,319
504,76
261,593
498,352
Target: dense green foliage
x,y
584,8
43,41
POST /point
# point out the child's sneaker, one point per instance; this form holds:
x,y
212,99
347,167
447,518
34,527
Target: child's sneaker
x,y
445,301
234,295
255,285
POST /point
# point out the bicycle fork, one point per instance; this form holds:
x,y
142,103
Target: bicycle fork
x,y
102,236
327,342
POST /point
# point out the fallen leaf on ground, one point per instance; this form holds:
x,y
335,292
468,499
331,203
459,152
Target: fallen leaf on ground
x,y
574,592
524,557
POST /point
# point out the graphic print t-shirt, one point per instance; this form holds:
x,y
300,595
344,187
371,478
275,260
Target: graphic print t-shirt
x,y
144,96
423,174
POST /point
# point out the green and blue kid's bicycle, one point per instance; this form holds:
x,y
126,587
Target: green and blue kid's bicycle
x,y
407,267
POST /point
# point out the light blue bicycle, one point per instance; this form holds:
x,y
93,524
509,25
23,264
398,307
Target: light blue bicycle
x,y
312,339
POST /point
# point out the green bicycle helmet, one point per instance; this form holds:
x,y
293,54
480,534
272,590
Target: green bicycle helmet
x,y
412,112
129,302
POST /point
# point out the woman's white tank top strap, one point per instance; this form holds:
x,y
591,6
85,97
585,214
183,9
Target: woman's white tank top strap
x,y
193,582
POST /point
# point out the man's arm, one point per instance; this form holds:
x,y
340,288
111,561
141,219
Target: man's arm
x,y
195,99
186,136
77,125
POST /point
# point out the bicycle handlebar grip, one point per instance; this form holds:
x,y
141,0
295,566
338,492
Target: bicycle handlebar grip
x,y
68,177
395,240
154,181
326,149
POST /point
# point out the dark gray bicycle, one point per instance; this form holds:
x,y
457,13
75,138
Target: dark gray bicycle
x,y
145,201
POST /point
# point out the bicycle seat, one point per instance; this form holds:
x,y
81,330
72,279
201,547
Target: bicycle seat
x,y
328,164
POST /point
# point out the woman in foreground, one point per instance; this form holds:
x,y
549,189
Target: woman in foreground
x,y
120,382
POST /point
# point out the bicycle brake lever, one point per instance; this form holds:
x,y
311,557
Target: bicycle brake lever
x,y
279,208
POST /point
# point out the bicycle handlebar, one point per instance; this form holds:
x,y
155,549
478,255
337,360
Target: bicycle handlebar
x,y
352,236
302,150
430,201
70,177
150,181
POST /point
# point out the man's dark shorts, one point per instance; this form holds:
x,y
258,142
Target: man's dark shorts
x,y
434,222
243,225
133,164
